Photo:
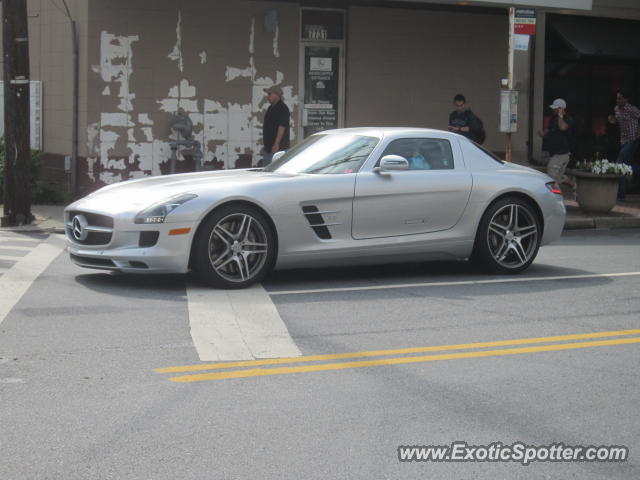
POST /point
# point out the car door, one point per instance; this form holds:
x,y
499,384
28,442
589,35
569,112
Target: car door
x,y
428,197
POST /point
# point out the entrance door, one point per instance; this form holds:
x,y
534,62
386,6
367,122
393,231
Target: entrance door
x,y
322,85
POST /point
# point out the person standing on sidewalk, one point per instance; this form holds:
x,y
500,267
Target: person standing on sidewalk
x,y
627,117
557,138
275,129
463,121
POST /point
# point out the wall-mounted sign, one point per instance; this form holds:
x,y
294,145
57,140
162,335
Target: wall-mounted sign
x,y
570,4
320,64
508,111
521,42
35,111
320,116
315,32
525,21
319,24
321,88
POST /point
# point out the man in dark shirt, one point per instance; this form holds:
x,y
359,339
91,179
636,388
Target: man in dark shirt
x,y
557,138
463,121
275,129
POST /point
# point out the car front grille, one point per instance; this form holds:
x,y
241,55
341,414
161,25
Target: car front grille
x,y
86,228
93,262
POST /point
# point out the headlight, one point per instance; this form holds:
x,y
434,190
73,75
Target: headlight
x,y
157,213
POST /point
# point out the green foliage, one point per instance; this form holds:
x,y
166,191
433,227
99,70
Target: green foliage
x,y
41,191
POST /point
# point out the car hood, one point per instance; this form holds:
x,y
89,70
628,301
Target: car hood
x,y
138,194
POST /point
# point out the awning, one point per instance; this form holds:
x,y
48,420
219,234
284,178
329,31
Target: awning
x,y
598,37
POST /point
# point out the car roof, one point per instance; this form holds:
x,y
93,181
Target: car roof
x,y
386,131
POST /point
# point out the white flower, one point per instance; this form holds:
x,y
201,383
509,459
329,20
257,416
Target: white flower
x,y
604,167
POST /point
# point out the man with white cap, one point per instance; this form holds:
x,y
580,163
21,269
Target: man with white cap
x,y
275,129
557,138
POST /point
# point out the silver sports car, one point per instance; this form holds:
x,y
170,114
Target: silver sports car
x,y
349,196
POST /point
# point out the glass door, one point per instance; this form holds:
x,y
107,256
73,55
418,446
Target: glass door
x,y
322,87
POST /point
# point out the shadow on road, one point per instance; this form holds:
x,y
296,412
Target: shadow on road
x,y
139,286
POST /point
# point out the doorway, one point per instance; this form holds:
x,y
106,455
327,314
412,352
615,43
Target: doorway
x,y
321,70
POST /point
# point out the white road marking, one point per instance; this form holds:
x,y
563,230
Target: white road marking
x,y
237,325
448,284
10,258
17,247
12,380
20,238
17,280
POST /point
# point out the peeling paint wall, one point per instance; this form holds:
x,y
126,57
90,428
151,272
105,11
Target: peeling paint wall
x,y
211,59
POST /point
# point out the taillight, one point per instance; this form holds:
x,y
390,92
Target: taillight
x,y
554,188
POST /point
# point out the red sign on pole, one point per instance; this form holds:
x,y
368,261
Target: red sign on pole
x,y
525,21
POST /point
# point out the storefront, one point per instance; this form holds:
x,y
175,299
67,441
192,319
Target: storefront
x,y
589,60
347,63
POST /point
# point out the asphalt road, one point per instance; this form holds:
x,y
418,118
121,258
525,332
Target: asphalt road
x,y
96,379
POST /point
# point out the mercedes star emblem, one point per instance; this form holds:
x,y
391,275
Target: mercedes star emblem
x,y
79,228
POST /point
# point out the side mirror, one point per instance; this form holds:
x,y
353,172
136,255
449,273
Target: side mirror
x,y
390,163
277,155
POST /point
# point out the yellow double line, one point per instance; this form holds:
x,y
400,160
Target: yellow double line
x,y
397,360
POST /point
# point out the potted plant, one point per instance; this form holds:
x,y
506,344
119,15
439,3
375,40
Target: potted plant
x,y
597,184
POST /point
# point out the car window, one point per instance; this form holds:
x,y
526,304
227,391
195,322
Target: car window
x,y
423,153
326,154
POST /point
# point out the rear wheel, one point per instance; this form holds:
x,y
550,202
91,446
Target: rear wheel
x,y
234,247
508,237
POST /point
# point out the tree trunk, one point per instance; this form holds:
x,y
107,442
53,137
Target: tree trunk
x,y
17,194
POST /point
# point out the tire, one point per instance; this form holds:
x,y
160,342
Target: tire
x,y
234,247
508,237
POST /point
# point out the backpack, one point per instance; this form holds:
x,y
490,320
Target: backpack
x,y
477,132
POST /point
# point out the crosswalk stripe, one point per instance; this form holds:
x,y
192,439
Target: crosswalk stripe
x,y
17,280
237,325
5,245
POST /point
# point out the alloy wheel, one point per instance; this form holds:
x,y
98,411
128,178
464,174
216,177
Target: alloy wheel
x,y
238,247
512,236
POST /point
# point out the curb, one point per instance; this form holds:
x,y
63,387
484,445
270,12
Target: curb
x,y
578,223
33,229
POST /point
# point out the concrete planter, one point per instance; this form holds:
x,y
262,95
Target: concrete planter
x,y
596,193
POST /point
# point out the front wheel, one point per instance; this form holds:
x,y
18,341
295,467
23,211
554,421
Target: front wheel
x,y
508,237
234,247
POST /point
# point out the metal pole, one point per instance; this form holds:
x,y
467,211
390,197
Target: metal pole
x,y
74,140
512,14
76,81
17,192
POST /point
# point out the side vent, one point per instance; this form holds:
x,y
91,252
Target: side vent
x,y
314,217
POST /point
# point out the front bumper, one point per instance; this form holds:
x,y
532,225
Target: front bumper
x,y
129,250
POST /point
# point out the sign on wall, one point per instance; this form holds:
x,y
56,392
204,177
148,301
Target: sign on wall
x,y
508,111
35,110
525,21
321,88
570,4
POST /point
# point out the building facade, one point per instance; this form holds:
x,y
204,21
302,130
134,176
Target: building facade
x,y
142,63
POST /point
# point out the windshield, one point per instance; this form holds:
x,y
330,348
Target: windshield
x,y
326,154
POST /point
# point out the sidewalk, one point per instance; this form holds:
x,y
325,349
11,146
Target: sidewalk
x,y
626,214
49,218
